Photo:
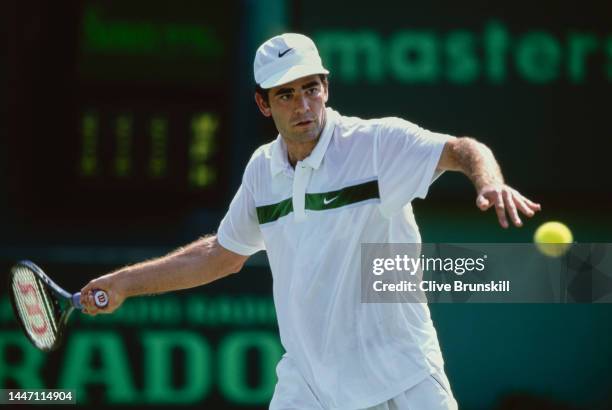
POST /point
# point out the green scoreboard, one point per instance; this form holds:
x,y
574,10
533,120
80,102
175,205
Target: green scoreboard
x,y
120,107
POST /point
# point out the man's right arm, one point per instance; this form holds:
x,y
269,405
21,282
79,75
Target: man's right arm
x,y
198,263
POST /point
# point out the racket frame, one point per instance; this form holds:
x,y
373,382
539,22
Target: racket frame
x,y
58,294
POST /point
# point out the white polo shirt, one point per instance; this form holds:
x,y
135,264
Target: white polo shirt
x,y
355,187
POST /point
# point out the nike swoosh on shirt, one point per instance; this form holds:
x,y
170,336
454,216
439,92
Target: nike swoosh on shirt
x,y
284,52
329,201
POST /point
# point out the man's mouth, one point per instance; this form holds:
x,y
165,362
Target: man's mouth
x,y
303,123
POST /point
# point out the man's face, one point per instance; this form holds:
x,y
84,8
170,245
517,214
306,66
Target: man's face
x,y
297,108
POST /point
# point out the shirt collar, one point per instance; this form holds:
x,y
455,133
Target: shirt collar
x,y
279,159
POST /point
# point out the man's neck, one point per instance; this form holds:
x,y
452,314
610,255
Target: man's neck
x,y
297,151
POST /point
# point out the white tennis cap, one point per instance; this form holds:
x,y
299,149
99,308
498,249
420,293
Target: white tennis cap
x,y
285,58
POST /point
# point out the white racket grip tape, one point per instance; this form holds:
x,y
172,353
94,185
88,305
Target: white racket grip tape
x,y
100,299
76,301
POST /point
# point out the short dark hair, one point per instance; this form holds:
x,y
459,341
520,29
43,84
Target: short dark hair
x,y
264,92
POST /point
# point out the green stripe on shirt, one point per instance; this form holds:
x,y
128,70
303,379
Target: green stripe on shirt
x,y
321,201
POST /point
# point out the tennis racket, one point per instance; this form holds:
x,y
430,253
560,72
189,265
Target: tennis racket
x,y
41,306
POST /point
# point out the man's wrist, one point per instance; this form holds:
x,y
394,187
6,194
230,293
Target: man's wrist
x,y
483,180
122,283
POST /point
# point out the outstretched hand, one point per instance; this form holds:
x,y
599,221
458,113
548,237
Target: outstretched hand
x,y
507,202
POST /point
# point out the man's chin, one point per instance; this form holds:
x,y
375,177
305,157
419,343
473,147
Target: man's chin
x,y
305,136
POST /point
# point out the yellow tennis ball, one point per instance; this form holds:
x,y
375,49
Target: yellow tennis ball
x,y
553,238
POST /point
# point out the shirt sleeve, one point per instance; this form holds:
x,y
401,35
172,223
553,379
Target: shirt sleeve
x,y
239,230
405,157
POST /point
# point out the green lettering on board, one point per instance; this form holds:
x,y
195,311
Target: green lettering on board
x,y
26,373
414,57
580,46
537,57
159,368
352,48
234,365
79,370
463,66
496,43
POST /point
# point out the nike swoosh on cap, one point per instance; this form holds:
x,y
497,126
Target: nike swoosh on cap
x,y
284,52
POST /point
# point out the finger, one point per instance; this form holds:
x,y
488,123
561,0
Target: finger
x,y
533,205
483,203
88,311
86,290
85,300
511,208
522,206
500,209
91,305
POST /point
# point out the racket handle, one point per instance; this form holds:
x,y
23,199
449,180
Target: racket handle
x,y
100,299
76,301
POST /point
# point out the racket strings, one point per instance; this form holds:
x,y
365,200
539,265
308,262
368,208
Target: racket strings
x,y
35,308
48,304
39,334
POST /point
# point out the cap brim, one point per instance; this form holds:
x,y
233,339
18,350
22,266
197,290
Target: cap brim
x,y
292,73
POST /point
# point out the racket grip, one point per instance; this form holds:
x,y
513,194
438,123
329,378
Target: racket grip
x,y
76,301
100,299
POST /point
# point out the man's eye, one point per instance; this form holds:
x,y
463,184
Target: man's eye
x,y
284,97
313,91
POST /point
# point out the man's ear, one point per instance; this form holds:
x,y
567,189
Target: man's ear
x,y
262,105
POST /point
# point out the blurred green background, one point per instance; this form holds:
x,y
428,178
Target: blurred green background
x,y
125,128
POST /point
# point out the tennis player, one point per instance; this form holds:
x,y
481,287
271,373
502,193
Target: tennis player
x,y
310,198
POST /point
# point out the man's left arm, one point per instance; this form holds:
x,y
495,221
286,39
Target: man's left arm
x,y
477,162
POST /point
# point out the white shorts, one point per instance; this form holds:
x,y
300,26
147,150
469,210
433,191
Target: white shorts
x,y
433,393
293,392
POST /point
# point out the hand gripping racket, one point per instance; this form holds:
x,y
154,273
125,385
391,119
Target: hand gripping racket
x,y
41,306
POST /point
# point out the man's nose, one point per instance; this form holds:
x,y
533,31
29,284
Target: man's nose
x,y
301,103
